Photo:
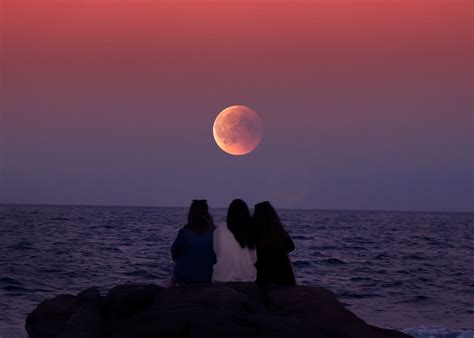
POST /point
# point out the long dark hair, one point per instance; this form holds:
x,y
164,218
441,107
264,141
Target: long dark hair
x,y
270,232
199,219
239,223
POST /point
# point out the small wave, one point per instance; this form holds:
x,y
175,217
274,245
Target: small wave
x,y
416,299
302,237
333,261
22,245
420,298
359,279
352,295
456,274
301,264
15,288
317,254
110,248
327,247
70,274
414,256
140,273
59,219
44,290
383,256
391,284
49,270
10,281
438,332
355,247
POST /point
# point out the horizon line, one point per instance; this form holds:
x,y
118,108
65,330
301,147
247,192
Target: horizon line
x,y
225,207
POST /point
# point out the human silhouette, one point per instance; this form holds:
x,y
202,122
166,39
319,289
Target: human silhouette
x,y
273,245
234,245
192,250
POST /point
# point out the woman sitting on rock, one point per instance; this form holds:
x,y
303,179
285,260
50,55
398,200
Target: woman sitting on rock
x,y
273,246
192,250
234,246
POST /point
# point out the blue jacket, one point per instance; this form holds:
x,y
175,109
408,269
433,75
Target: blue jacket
x,y
194,257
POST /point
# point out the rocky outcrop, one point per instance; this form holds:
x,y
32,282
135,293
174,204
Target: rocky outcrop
x,y
220,310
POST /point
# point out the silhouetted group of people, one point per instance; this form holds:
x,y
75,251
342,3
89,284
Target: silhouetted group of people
x,y
245,248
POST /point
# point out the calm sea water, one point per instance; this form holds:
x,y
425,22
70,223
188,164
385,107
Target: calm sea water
x,y
405,270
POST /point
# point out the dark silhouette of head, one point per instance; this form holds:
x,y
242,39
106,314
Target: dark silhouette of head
x,y
199,219
270,233
239,223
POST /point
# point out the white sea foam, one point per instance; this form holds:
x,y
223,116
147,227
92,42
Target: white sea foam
x,y
438,332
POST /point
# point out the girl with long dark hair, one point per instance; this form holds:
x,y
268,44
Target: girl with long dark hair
x,y
234,245
192,249
273,245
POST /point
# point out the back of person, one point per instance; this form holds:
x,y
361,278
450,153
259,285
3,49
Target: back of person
x,y
194,257
273,246
274,265
192,249
234,247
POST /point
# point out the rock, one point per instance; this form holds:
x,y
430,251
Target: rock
x,y
124,302
67,316
85,321
50,317
207,311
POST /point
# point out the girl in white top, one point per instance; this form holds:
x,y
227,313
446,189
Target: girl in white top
x,y
235,247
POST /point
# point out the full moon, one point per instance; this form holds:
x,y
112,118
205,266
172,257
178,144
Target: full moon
x,y
237,130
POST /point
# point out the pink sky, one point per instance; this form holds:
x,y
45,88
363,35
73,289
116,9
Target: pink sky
x,y
365,104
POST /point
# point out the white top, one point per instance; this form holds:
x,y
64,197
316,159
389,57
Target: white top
x,y
234,264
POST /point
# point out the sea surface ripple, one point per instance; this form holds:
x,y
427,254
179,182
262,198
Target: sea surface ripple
x,y
404,270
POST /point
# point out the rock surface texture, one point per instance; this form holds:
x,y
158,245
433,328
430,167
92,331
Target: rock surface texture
x,y
220,310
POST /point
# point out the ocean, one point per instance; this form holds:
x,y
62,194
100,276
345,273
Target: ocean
x,y
412,271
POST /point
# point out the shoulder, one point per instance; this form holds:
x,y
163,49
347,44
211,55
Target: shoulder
x,y
221,226
222,229
184,230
